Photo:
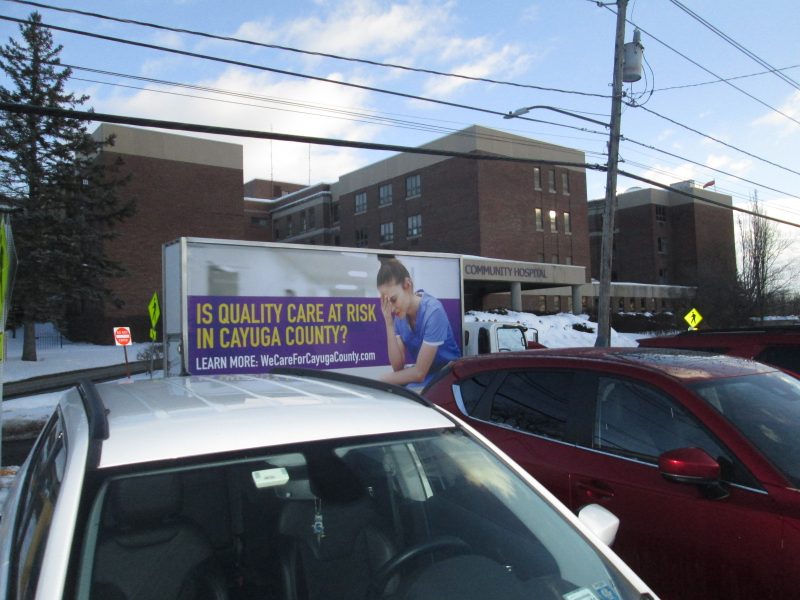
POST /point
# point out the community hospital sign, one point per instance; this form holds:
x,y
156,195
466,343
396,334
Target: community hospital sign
x,y
505,271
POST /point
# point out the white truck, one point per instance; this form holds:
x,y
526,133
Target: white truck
x,y
246,307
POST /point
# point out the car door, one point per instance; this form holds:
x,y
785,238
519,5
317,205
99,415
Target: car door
x,y
526,413
684,541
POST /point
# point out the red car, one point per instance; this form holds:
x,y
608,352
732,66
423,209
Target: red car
x,y
779,346
697,454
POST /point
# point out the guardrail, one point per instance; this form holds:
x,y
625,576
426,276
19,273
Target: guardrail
x,y
62,381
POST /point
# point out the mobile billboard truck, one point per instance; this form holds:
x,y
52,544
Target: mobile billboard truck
x,y
248,307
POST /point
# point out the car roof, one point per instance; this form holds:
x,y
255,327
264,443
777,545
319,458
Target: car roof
x,y
175,417
685,365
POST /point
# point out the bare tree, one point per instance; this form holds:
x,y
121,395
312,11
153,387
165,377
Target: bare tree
x,y
765,272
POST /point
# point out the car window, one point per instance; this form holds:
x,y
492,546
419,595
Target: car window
x,y
533,401
425,513
471,390
37,504
786,357
642,422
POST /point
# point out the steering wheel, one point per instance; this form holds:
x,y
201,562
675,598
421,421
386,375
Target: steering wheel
x,y
391,566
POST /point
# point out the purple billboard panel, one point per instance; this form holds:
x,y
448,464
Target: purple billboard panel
x,y
254,334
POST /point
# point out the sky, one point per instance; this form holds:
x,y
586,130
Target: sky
x,y
743,134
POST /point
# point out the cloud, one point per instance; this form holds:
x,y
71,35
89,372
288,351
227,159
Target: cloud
x,y
280,106
724,162
775,120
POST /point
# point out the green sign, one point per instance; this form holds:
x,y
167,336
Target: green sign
x,y
155,312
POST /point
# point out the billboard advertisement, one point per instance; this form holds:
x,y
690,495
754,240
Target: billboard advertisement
x,y
253,307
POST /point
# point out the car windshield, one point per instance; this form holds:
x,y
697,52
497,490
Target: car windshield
x,y
511,338
766,409
430,515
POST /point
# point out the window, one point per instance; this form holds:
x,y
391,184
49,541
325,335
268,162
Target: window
x,y
537,178
553,221
540,257
554,259
277,233
662,245
539,220
385,195
638,421
567,260
387,233
335,212
533,401
567,224
311,219
551,181
413,186
415,226
289,226
361,237
303,221
36,508
565,183
361,202
259,221
661,213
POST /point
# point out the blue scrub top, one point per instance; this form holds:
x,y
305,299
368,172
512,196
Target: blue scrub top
x,y
433,328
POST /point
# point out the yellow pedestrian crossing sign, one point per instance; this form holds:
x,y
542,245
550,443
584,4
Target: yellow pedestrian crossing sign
x,y
693,318
155,312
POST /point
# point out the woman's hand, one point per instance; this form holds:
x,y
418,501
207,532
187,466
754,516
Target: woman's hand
x,y
386,309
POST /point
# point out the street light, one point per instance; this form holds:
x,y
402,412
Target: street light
x,y
526,109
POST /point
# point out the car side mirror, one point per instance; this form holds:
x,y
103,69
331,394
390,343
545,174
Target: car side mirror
x,y
603,523
693,466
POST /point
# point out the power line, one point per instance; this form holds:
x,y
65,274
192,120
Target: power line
x,y
300,51
717,140
442,130
736,44
86,115
709,71
358,86
733,78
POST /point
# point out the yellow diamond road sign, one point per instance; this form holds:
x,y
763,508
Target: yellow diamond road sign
x,y
155,313
693,318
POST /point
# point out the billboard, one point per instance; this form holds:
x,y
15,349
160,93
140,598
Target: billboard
x,y
251,307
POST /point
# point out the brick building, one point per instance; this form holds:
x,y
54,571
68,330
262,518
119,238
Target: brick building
x,y
667,238
417,202
181,186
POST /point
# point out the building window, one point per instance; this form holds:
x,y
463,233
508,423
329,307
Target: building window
x,y
565,184
361,202
415,226
661,213
335,212
554,259
662,245
311,218
537,178
551,181
387,233
385,195
567,224
540,257
553,222
303,221
361,237
567,260
539,221
276,235
289,226
413,186
259,221
662,276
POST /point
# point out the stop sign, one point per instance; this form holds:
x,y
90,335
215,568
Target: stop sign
x,y
122,336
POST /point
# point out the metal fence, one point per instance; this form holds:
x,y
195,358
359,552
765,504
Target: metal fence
x,y
49,340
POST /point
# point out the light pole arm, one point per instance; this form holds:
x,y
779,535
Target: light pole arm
x,y
525,109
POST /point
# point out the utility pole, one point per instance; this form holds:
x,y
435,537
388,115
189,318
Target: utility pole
x,y
607,244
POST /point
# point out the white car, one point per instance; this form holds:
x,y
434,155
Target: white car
x,y
293,486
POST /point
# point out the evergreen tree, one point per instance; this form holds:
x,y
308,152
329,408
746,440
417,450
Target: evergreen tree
x,y
63,198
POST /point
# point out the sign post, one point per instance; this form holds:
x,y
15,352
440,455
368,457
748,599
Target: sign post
x,y
155,312
122,337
